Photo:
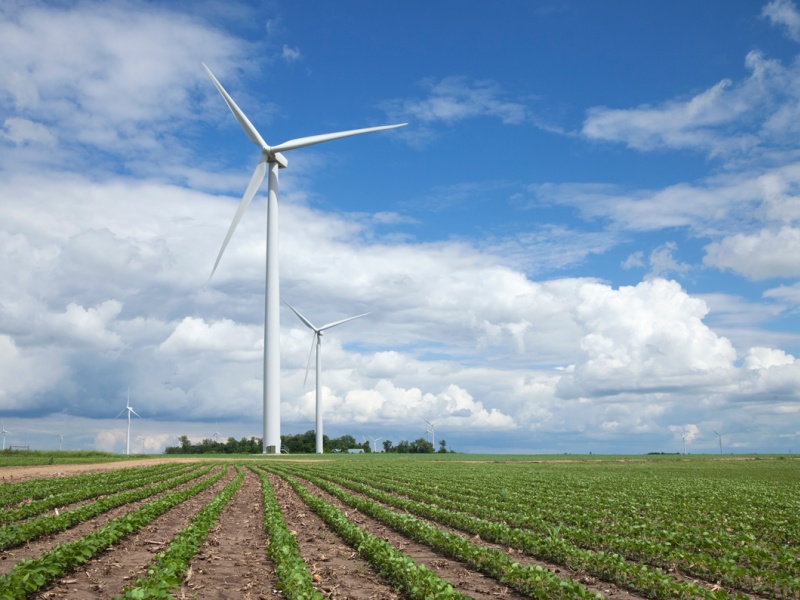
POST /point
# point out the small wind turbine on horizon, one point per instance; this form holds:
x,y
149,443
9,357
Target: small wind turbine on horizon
x,y
141,437
316,341
272,159
60,441
130,410
683,437
375,441
432,431
4,432
719,435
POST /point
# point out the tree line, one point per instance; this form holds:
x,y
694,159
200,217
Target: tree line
x,y
301,443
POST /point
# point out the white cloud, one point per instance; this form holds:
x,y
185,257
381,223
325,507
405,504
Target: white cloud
x,y
784,13
450,100
646,338
87,327
24,373
290,54
224,338
663,263
763,255
24,131
711,121
117,78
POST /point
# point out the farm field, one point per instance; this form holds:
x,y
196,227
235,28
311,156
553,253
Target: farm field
x,y
374,526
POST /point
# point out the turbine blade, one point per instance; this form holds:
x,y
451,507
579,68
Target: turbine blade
x,y
252,188
137,414
326,137
310,354
244,122
120,412
308,323
329,325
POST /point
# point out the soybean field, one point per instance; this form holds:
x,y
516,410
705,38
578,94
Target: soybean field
x,y
379,526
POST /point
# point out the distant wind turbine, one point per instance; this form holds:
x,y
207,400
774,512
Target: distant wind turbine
x,y
719,435
272,159
375,441
141,437
60,442
683,437
316,340
432,431
130,410
4,433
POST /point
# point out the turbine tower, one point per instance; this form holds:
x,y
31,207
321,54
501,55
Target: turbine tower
x,y
130,410
316,340
4,432
272,159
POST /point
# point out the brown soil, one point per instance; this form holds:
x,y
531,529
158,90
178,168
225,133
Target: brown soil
x,y
232,563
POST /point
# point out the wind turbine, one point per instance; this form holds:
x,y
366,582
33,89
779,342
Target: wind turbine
x,y
433,432
60,441
719,435
141,437
130,410
316,340
4,433
272,159
683,437
375,441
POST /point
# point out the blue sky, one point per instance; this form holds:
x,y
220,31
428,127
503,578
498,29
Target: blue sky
x,y
585,239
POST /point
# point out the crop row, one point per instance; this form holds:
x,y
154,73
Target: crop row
x,y
415,580
531,580
30,575
16,534
742,564
608,566
35,489
169,566
99,485
294,578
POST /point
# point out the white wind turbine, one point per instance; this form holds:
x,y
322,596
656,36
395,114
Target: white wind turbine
x,y
4,432
130,410
272,159
719,435
432,431
375,442
316,340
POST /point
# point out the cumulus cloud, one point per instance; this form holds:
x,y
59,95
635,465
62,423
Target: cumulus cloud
x,y
626,332
224,338
98,79
90,327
